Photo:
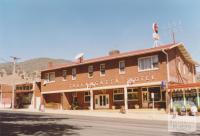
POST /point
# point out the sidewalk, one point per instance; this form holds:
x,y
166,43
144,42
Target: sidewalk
x,y
131,114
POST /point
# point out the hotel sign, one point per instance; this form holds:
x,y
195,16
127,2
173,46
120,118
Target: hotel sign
x,y
116,81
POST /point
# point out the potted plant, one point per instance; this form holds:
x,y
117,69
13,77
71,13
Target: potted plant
x,y
113,107
137,106
74,106
178,109
188,110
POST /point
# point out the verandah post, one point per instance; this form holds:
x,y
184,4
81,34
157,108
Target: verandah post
x,y
125,98
198,101
91,99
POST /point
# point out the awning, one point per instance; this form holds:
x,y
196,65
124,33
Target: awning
x,y
189,86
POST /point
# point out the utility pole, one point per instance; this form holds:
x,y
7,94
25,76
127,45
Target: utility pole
x,y
13,83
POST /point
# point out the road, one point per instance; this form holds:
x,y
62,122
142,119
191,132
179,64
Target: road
x,y
40,124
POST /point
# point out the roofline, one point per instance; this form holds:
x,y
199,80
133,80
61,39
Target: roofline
x,y
127,54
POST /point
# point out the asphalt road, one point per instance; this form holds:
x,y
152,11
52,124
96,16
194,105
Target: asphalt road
x,y
36,124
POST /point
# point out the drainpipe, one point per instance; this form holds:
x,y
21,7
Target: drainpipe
x,y
193,74
167,58
1,95
168,80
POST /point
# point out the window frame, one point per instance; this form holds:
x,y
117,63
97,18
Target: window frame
x,y
152,67
122,72
92,67
88,95
54,76
133,92
74,72
122,92
47,77
101,69
64,78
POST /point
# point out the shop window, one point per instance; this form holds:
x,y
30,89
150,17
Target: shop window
x,y
133,94
118,95
87,97
148,63
157,93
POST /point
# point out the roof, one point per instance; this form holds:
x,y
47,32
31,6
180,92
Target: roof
x,y
184,86
130,53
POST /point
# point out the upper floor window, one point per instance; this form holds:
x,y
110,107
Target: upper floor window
x,y
102,70
64,74
122,67
148,63
52,76
90,71
49,77
74,74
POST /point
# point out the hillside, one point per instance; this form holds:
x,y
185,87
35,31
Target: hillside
x,y
31,67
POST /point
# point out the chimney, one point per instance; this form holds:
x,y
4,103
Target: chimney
x,y
114,52
81,59
50,64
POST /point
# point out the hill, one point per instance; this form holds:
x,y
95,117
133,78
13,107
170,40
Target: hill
x,y
30,67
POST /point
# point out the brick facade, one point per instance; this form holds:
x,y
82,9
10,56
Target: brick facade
x,y
61,90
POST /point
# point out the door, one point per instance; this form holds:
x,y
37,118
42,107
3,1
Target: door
x,y
102,101
145,99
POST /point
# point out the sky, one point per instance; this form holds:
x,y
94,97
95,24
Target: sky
x,y
64,28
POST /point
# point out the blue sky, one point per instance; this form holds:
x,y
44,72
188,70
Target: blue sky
x,y
64,28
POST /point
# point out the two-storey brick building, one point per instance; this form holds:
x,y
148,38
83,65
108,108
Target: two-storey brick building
x,y
119,79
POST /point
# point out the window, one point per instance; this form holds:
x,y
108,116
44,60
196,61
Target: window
x,y
102,70
64,74
157,93
90,71
133,94
52,76
122,67
148,63
46,77
118,95
87,97
74,98
49,77
74,74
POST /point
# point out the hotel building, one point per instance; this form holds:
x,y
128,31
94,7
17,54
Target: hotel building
x,y
132,79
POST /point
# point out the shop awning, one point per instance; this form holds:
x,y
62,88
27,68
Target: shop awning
x,y
189,86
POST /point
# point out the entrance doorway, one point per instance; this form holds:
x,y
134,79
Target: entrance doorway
x,y
144,98
102,101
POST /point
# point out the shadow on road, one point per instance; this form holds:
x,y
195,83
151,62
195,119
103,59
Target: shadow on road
x,y
197,133
12,124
